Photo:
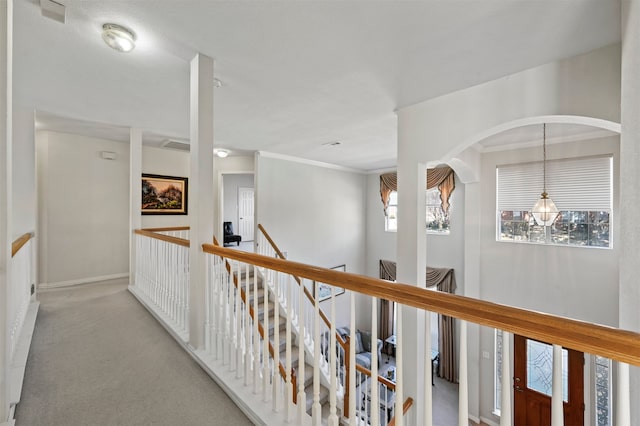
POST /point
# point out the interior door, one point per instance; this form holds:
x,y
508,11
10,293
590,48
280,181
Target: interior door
x,y
245,213
533,366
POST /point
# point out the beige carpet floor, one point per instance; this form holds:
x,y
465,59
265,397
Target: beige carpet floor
x,y
99,358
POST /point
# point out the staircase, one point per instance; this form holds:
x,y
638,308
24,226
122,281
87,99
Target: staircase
x,y
270,307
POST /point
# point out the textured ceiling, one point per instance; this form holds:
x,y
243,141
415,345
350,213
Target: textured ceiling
x,y
296,75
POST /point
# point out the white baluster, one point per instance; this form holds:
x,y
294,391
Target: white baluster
x,y
463,379
428,372
333,417
265,339
256,334
238,328
505,383
247,328
557,409
301,399
623,401
289,384
276,344
352,361
316,410
375,401
399,414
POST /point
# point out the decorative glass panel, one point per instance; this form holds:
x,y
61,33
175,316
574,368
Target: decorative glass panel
x,y
540,368
498,371
603,392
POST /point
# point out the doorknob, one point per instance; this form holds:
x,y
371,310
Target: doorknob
x,y
516,385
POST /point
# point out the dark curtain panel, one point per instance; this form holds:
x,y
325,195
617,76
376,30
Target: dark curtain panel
x,y
385,327
444,280
441,177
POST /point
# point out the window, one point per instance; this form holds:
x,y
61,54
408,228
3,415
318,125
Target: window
x,y
603,390
582,190
437,218
391,218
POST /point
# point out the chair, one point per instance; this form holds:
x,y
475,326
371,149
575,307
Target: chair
x,y
229,236
362,349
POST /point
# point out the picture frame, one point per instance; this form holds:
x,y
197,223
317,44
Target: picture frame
x,y
164,195
324,290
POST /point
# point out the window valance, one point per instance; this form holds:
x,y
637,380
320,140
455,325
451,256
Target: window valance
x,y
441,177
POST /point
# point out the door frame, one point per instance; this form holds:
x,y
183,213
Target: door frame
x,y
220,190
253,191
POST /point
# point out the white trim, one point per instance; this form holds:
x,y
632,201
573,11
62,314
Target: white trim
x,y
474,418
310,162
82,281
382,171
19,362
488,421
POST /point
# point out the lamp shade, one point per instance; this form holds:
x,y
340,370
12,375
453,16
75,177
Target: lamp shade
x,y
545,211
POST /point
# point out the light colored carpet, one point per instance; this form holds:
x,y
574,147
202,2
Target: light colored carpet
x,y
99,358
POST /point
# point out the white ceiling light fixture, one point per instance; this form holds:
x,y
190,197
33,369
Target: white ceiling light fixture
x,y
118,37
222,153
545,210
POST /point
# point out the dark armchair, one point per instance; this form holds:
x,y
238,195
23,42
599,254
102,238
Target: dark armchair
x,y
229,236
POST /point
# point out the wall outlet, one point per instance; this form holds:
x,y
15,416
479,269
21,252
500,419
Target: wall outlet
x,y
485,354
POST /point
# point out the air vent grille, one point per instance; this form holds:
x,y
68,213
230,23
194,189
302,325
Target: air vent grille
x,y
173,144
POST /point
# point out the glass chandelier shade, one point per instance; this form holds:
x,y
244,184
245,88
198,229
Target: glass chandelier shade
x,y
545,210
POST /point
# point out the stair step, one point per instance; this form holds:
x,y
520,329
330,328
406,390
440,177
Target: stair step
x,y
324,396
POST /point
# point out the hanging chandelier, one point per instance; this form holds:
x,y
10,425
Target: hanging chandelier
x,y
545,210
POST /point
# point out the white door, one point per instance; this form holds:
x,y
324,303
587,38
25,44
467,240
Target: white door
x,y
245,213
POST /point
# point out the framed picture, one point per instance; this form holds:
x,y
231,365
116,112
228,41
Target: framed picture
x,y
324,290
164,194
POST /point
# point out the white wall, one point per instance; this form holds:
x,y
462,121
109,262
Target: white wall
x,y
168,162
315,214
83,202
24,173
232,182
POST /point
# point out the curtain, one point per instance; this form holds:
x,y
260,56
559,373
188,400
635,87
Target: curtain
x,y
385,326
441,177
444,280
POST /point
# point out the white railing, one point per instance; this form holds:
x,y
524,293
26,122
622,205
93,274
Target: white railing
x,y
162,277
266,341
19,291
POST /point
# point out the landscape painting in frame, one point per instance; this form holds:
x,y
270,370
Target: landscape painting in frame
x,y
164,194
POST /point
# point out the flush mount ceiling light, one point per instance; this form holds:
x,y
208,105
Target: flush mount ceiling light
x,y
545,210
118,37
222,153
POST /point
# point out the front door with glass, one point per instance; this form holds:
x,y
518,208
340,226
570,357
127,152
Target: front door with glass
x,y
533,367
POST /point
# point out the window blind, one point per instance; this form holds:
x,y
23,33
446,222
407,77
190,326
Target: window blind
x,y
573,184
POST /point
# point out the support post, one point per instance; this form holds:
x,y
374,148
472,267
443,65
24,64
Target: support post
x,y
505,383
6,173
629,236
135,197
463,387
201,214
557,407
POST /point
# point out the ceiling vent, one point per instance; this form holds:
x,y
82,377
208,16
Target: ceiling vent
x,y
53,10
174,144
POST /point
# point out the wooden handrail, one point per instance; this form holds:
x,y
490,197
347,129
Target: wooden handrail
x,y
381,379
405,407
167,238
243,296
20,242
620,345
170,228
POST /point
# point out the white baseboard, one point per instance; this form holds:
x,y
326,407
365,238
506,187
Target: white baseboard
x,y
82,281
19,362
488,421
